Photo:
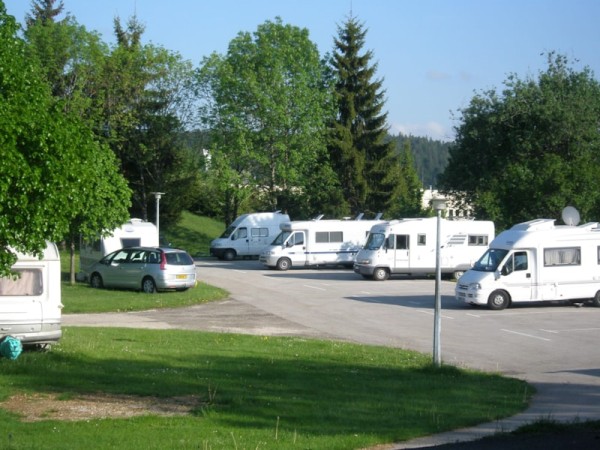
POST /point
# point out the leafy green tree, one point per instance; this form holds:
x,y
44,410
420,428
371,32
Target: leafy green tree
x,y
144,88
360,151
49,158
531,150
266,104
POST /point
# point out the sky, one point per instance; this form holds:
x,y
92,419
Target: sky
x,y
432,55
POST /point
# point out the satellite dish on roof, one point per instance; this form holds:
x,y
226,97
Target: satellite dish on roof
x,y
570,216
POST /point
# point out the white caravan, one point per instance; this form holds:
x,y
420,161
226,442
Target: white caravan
x,y
248,235
30,305
317,242
536,261
408,246
134,233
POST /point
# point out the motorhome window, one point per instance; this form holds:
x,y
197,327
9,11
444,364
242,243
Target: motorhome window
x,y
259,232
402,242
374,241
421,239
490,260
297,239
329,236
570,256
130,242
475,239
29,282
521,262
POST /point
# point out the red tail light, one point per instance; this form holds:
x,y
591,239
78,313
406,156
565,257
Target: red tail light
x,y
163,261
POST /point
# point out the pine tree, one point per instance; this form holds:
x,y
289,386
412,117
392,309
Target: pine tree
x,y
44,12
360,153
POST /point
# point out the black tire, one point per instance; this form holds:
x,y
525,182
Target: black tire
x,y
229,254
283,264
498,300
596,299
380,274
148,285
96,281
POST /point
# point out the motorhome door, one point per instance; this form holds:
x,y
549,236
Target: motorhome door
x,y
401,245
517,275
296,246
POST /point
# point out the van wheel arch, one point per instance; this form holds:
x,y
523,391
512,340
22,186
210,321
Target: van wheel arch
x,y
596,300
381,274
498,300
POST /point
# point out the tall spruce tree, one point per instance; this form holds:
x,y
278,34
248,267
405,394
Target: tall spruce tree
x,y
359,150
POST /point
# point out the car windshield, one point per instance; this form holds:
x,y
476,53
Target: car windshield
x,y
490,260
281,237
374,241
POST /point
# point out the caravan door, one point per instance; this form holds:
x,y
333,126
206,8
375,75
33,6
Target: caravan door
x,y
401,244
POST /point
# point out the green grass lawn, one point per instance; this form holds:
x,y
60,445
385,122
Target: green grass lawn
x,y
254,392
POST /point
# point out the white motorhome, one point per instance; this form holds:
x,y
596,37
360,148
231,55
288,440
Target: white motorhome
x,y
536,261
317,242
408,246
30,305
134,233
248,235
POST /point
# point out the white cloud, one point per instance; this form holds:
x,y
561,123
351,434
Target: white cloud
x,y
433,130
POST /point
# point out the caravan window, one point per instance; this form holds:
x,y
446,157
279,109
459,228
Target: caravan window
x,y
570,256
28,282
260,232
329,236
475,239
130,242
421,239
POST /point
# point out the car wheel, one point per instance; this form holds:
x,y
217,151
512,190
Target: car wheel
x,y
283,264
229,255
498,300
596,299
96,281
148,285
380,274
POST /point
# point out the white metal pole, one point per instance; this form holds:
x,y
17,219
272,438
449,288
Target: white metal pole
x,y
437,354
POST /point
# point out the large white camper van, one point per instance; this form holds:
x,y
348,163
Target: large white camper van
x,y
317,242
408,246
248,235
536,261
30,305
134,233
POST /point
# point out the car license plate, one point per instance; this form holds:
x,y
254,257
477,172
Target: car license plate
x,y
181,277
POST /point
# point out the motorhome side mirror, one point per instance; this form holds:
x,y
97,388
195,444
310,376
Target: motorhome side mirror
x,y
504,271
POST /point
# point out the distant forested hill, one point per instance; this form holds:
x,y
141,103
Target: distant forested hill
x,y
431,157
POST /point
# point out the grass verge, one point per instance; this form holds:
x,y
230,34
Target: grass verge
x,y
256,392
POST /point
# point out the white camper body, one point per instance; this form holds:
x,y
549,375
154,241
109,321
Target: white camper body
x,y
408,246
317,242
134,233
30,305
536,261
248,235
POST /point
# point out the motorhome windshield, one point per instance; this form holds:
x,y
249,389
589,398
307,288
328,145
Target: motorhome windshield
x,y
281,238
374,241
490,260
230,229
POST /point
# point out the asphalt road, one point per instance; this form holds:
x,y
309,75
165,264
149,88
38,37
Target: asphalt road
x,y
553,346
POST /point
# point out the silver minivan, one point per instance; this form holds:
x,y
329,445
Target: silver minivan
x,y
145,268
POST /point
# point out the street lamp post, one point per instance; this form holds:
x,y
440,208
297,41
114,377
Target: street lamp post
x,y
157,196
439,204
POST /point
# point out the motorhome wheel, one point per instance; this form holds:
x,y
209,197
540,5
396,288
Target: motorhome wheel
x,y
498,300
380,274
596,299
229,255
283,264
